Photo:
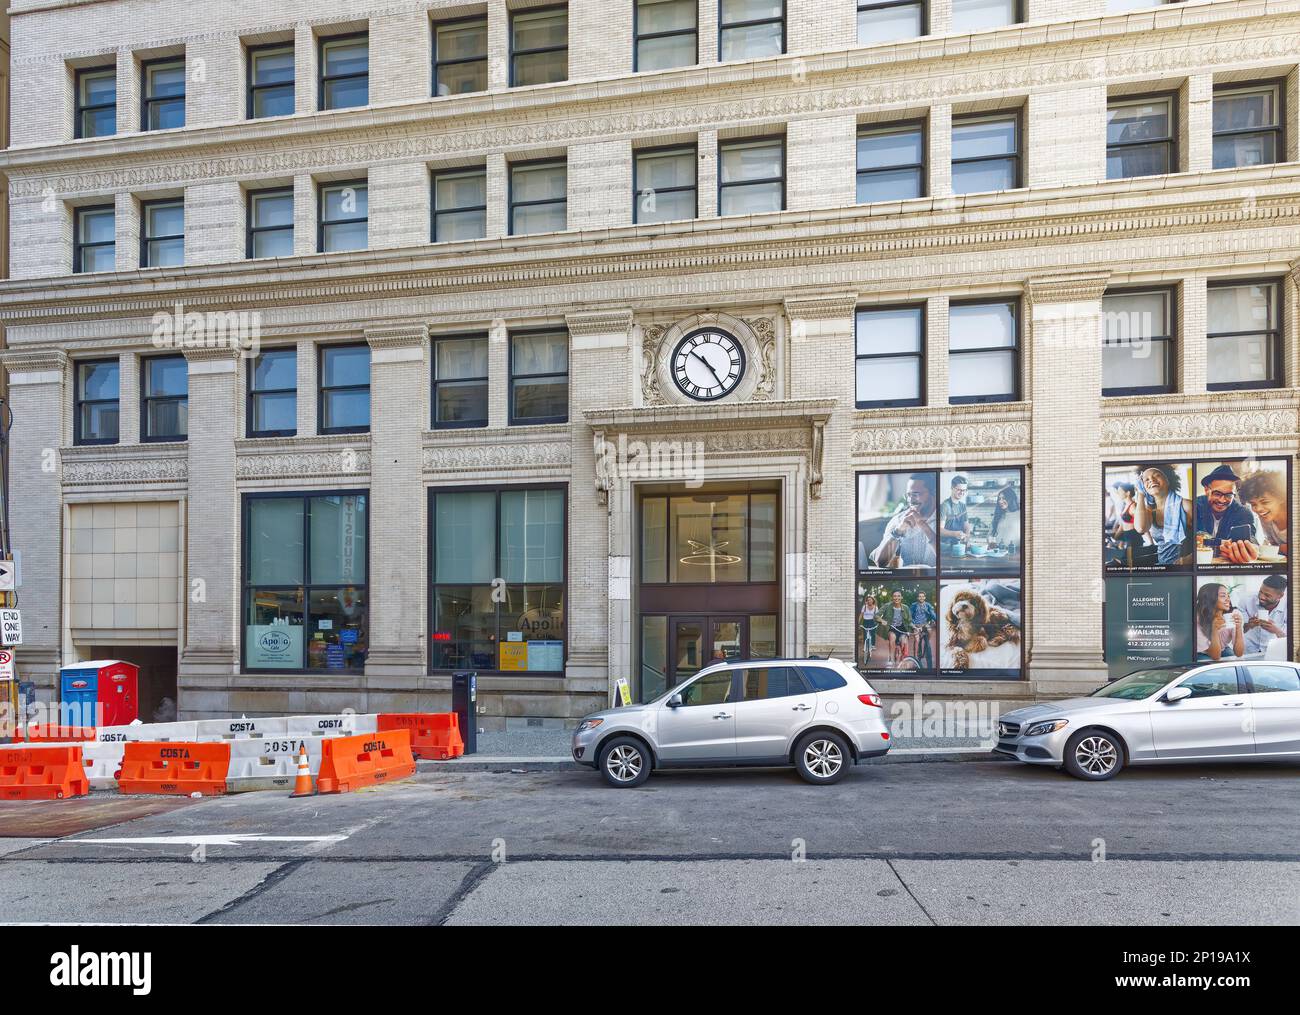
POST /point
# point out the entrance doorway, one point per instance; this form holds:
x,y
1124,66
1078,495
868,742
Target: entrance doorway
x,y
700,641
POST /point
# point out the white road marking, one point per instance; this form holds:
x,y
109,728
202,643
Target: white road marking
x,y
206,840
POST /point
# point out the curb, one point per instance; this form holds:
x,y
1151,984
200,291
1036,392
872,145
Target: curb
x,y
904,756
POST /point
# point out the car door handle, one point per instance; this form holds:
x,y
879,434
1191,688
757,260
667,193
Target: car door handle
x,y
1234,704
801,708
723,715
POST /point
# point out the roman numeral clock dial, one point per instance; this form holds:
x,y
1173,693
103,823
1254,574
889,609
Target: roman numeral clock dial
x,y
707,365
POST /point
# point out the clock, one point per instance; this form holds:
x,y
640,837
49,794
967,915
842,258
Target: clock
x,y
708,364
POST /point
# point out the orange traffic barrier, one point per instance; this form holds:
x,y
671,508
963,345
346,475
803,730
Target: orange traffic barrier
x,y
42,773
302,785
53,733
348,763
175,768
435,736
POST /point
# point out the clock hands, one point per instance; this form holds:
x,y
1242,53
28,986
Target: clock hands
x,y
707,364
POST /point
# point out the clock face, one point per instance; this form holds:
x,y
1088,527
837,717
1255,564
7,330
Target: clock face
x,y
707,365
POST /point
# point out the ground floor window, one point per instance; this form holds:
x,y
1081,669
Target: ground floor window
x,y
305,577
497,580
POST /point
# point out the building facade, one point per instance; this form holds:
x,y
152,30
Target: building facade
x,y
352,345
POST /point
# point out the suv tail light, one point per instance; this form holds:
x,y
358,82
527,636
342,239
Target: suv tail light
x,y
870,699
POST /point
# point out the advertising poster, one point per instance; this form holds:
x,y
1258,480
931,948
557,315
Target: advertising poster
x,y
980,627
980,522
898,627
1150,518
1241,616
898,516
1148,623
1242,516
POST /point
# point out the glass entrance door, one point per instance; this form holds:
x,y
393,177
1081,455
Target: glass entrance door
x,y
701,641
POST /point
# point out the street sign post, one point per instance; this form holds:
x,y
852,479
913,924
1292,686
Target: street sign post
x,y
8,576
11,628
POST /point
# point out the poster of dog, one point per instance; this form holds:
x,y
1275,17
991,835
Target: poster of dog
x,y
980,627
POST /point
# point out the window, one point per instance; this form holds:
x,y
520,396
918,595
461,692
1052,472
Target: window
x,y
95,420
344,405
1247,126
1244,335
749,29
1268,679
1137,353
891,356
270,223
481,541
539,377
762,683
974,15
664,185
710,689
306,572
162,241
1140,137
460,56
1120,6
460,381
165,386
344,217
539,46
710,540
460,205
984,352
667,34
270,80
345,71
823,679
1218,683
163,107
891,163
95,242
273,394
96,102
538,198
985,153
890,20
751,177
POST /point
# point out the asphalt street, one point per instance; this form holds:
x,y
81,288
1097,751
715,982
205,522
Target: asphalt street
x,y
991,843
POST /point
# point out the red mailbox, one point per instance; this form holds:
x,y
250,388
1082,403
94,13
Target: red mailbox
x,y
104,693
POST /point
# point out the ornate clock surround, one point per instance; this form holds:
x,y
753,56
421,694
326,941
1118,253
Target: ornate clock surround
x,y
756,338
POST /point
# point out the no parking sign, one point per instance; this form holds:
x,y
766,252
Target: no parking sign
x,y
6,666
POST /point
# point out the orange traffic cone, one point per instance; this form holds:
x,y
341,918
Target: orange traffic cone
x,y
302,785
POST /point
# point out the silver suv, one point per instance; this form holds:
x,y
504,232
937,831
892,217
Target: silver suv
x,y
818,715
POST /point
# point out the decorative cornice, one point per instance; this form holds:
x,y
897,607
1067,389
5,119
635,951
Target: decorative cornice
x,y
1073,287
124,465
589,323
821,308
332,456
479,457
25,361
1216,418
397,336
941,430
209,353
695,418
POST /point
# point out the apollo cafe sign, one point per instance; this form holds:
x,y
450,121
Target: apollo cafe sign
x,y
542,623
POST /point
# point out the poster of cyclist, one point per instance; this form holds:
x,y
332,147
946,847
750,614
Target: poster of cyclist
x,y
898,625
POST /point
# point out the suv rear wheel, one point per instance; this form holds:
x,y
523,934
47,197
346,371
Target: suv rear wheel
x,y
624,762
822,758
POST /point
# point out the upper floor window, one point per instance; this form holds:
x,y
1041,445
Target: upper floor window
x,y
667,34
751,176
165,386
1140,137
460,56
270,80
539,46
345,71
539,377
985,153
270,223
460,381
96,102
749,29
1137,352
459,205
664,184
344,217
1244,334
538,197
344,405
94,245
890,20
1247,126
273,393
984,351
890,356
162,240
164,94
1120,6
974,15
95,419
891,163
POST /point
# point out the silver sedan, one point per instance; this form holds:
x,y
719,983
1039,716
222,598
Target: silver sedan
x,y
1207,712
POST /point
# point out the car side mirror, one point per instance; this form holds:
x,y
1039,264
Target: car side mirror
x,y
1177,694
675,701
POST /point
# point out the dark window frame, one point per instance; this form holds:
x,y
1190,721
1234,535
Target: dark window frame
x,y
78,246
1276,334
783,20
146,238
434,177
251,391
1018,156
79,124
637,37
511,204
252,53
1018,11
148,101
921,355
457,61
515,420
637,153
880,5
783,179
1017,351
245,587
79,439
778,542
322,388
322,78
1278,85
897,127
436,382
147,399
322,222
252,229
1171,141
1169,341
515,53
431,570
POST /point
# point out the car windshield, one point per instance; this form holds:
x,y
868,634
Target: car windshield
x,y
1141,684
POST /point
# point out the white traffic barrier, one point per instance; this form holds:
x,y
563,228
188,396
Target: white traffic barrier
x,y
270,763
345,725
153,732
207,730
103,762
